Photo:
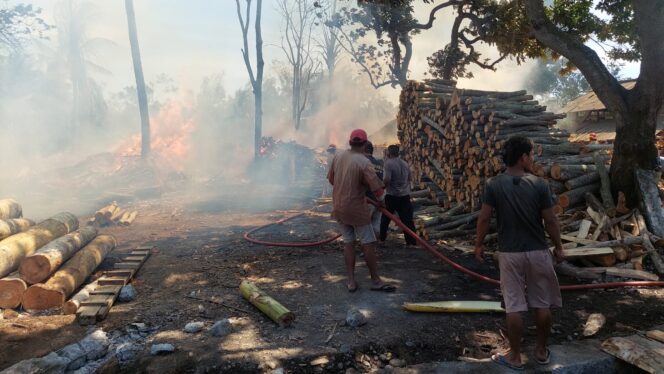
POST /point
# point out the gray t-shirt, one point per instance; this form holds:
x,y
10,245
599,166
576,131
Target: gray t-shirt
x,y
397,173
519,202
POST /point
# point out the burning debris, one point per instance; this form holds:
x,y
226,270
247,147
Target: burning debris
x,y
286,163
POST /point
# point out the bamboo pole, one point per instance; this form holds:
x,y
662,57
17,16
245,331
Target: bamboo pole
x,y
272,308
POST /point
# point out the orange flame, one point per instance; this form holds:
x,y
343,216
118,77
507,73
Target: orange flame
x,y
170,133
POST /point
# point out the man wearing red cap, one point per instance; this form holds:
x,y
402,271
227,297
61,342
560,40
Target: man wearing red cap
x,y
352,175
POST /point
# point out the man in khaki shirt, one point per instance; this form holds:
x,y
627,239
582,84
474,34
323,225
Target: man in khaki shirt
x,y
352,175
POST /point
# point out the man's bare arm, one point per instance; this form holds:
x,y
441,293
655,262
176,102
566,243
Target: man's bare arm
x,y
483,222
553,229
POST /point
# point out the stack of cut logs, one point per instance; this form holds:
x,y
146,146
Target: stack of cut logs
x,y
53,258
112,215
453,138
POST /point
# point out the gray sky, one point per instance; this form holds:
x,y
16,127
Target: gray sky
x,y
188,40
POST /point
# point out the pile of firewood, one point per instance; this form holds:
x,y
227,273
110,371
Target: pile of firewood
x,y
42,264
112,215
453,138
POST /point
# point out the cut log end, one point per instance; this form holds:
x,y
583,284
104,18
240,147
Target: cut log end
x,y
38,297
11,292
70,307
35,269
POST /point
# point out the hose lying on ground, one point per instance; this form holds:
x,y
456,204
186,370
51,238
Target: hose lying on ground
x,y
429,248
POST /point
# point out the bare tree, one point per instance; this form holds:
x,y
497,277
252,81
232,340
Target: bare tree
x,y
299,17
329,45
140,81
256,80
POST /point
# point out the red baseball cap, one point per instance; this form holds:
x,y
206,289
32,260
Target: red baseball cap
x,y
358,136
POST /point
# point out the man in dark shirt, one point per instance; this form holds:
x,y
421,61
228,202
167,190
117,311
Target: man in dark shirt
x,y
527,277
397,185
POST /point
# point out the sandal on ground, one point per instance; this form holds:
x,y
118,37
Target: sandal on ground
x,y
353,289
384,288
546,360
501,360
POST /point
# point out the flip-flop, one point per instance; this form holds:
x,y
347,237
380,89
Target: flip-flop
x,y
351,290
501,360
546,360
384,288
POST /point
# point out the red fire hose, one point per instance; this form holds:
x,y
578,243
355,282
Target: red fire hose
x,y
443,258
275,244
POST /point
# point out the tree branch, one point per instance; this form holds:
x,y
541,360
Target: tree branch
x,y
605,86
432,14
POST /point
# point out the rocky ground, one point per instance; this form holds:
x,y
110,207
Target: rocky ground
x,y
188,315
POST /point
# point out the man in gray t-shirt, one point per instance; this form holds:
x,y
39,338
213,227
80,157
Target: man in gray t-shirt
x,y
522,202
396,178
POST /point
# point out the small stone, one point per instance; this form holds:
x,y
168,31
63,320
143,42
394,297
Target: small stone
x,y
355,318
221,328
126,351
201,309
388,367
193,327
10,314
593,324
95,345
163,348
75,354
340,365
127,293
345,348
351,371
278,371
395,362
410,344
322,360
142,327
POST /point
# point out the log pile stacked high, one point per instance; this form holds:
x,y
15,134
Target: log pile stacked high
x,y
453,140
53,251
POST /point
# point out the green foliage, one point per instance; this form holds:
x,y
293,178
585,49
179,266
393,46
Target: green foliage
x,y
18,23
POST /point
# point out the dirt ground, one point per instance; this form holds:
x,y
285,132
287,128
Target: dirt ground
x,y
200,254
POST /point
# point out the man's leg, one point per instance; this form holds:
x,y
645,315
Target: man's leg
x,y
348,237
370,259
514,335
349,259
384,221
405,210
543,323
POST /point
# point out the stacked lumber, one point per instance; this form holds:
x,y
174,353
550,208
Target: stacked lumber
x,y
9,227
112,215
453,138
53,293
9,208
17,247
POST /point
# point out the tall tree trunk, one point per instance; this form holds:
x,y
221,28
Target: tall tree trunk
x,y
140,81
634,146
258,85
